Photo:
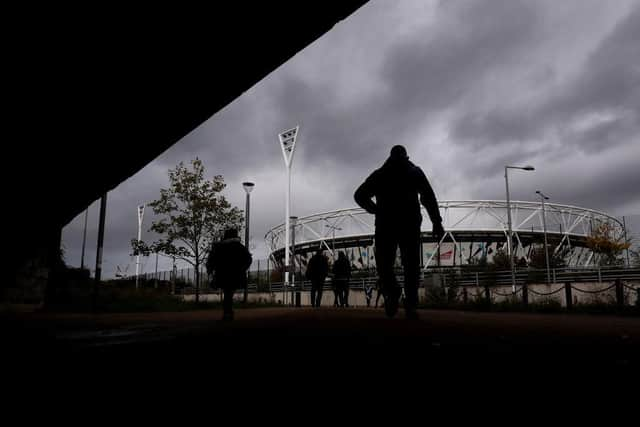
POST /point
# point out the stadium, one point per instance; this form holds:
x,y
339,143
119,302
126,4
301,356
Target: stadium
x,y
475,230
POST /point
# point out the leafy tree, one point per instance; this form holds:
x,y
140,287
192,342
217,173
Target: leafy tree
x,y
192,214
604,242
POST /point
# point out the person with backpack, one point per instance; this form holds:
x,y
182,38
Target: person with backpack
x,y
229,261
399,188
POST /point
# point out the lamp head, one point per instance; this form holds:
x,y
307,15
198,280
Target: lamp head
x,y
248,186
542,195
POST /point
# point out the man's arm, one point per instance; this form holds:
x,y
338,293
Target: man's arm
x,y
248,259
365,193
428,200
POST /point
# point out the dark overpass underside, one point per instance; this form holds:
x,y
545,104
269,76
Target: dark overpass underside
x,y
98,93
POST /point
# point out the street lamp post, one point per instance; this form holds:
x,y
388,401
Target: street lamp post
x,y
544,230
156,273
510,239
140,218
98,277
248,187
624,228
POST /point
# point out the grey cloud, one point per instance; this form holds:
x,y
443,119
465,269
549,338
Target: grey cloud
x,y
600,183
609,83
478,70
619,129
472,39
495,127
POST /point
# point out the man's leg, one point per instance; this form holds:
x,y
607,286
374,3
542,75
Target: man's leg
x,y
346,294
313,295
227,304
410,253
319,294
386,247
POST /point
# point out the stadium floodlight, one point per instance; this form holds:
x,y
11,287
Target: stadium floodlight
x,y
288,144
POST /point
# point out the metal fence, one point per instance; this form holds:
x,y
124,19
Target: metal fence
x,y
472,284
540,276
260,273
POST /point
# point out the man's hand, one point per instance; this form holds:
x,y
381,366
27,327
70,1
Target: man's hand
x,y
438,231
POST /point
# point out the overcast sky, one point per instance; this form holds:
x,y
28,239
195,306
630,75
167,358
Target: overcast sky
x,y
466,86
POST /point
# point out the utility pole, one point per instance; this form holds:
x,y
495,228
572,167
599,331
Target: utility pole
x,y
248,187
98,277
84,238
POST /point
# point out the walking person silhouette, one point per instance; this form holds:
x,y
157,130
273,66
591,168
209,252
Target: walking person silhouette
x,y
341,276
229,260
399,188
317,272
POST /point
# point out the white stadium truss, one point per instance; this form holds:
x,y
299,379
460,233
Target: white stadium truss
x,y
482,223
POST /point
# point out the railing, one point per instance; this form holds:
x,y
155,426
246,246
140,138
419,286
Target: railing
x,y
504,277
487,285
539,276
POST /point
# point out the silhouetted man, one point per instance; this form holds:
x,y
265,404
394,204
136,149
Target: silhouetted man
x,y
341,276
317,271
399,187
229,259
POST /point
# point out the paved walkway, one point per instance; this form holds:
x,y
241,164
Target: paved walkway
x,y
351,352
326,326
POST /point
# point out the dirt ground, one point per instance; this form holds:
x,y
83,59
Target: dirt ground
x,y
306,346
354,353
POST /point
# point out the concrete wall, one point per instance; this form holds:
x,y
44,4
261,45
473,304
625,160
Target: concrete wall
x,y
502,293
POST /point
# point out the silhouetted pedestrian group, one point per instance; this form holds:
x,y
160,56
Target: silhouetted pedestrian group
x,y
317,272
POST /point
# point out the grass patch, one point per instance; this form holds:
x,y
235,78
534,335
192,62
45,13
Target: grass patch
x,y
114,300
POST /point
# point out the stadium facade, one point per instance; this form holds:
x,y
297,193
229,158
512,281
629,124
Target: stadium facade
x,y
475,229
